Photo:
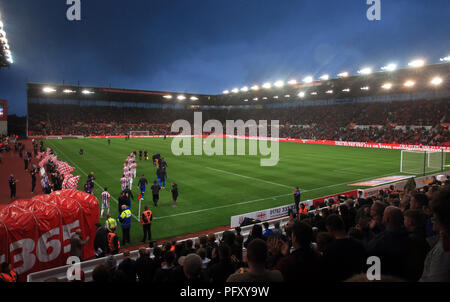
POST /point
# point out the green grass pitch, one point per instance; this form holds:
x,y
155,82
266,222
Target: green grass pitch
x,y
214,188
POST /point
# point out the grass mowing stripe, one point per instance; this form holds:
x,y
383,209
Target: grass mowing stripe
x,y
257,179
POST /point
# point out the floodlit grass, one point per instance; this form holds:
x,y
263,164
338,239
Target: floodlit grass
x,y
212,189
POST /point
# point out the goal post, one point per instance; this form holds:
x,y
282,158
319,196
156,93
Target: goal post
x,y
421,162
139,133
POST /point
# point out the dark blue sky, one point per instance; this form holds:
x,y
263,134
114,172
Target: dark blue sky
x,y
206,46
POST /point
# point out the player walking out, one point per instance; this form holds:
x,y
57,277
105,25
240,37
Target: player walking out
x,y
123,182
105,202
142,184
130,179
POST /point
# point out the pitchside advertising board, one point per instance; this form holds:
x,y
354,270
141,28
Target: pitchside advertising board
x,y
35,233
278,212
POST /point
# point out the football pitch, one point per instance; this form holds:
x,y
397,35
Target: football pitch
x,y
214,188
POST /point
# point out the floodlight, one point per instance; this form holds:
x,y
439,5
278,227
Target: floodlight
x,y
244,89
86,92
409,83
445,59
343,74
346,90
226,92
329,91
314,93
416,63
181,97
255,87
278,84
365,71
267,85
255,99
436,81
365,88
292,82
389,67
325,77
287,96
275,97
235,90
68,91
48,89
194,98
308,79
387,86
301,94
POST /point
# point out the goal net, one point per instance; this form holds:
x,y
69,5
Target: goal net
x,y
139,133
421,162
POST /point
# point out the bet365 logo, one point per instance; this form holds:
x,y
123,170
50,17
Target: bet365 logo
x,y
74,10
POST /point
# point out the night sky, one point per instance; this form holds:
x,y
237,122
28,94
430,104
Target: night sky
x,y
207,46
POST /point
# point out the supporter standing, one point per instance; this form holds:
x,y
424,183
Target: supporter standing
x,y
125,220
297,195
12,186
146,222
174,192
76,244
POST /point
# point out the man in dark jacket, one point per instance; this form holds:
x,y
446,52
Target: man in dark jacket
x,y
394,247
155,192
100,241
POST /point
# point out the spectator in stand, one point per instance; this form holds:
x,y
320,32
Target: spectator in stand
x,y
221,266
394,247
229,238
145,266
414,221
128,266
267,231
376,213
255,233
239,237
188,248
256,272
437,262
277,231
76,244
101,274
304,263
344,256
192,268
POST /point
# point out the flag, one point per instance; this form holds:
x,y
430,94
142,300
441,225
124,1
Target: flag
x,y
64,168
70,182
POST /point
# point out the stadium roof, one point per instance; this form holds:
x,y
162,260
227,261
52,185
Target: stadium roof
x,y
399,81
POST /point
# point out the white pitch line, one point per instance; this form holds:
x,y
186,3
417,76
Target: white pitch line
x,y
272,197
113,198
257,179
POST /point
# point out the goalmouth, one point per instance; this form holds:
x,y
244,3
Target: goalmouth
x,y
139,133
422,162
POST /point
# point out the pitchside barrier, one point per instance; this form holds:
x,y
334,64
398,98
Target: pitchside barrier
x,y
290,140
400,185
88,266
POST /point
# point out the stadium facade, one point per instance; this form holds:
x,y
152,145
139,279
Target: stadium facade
x,y
430,82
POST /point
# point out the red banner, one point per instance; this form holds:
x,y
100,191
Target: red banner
x,y
35,234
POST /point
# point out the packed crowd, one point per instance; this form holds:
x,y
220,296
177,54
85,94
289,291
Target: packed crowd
x,y
408,230
336,122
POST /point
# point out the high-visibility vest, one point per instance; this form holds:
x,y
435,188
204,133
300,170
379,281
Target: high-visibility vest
x,y
9,277
111,223
148,215
303,211
111,246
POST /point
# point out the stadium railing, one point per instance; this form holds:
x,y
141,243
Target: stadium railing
x,y
88,266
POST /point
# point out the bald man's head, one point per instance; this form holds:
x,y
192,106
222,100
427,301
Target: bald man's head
x,y
393,217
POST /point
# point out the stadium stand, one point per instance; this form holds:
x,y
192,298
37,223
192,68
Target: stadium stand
x,y
331,243
412,122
